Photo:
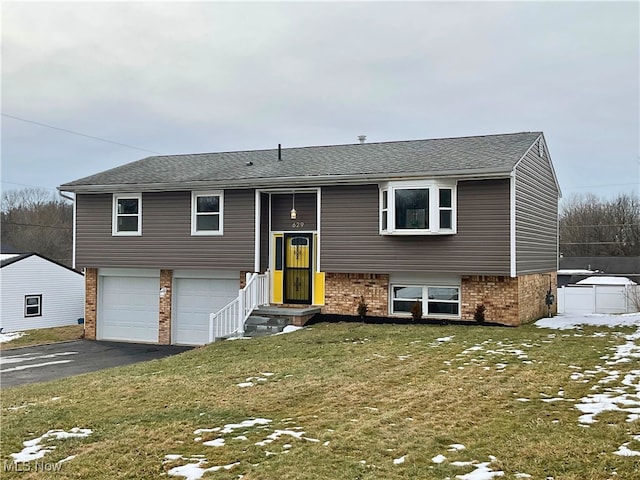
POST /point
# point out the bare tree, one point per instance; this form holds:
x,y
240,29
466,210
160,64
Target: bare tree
x,y
36,220
590,226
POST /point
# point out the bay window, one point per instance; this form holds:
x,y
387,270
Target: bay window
x,y
417,208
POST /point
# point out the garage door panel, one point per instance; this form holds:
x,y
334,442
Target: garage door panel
x,y
195,300
129,309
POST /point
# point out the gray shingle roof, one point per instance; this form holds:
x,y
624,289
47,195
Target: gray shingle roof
x,y
490,154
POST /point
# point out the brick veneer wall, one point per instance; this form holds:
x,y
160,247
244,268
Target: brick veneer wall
x,y
498,294
509,301
532,290
164,320
343,292
90,302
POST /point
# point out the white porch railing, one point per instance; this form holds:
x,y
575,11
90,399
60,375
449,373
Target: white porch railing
x,y
230,319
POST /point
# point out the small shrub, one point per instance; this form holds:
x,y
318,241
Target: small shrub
x,y
416,311
362,307
478,315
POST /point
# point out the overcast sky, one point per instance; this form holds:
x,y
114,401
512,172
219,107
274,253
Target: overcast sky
x,y
182,77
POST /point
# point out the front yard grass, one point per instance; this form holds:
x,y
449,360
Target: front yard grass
x,y
43,336
373,401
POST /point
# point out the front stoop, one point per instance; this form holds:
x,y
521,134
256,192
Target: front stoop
x,y
258,326
293,316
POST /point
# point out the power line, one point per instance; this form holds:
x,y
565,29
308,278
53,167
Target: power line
x,y
37,225
78,133
27,185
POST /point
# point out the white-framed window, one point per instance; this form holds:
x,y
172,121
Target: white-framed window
x,y
33,305
437,301
418,208
127,214
384,210
207,213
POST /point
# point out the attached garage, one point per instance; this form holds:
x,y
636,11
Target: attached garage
x,y
128,305
197,294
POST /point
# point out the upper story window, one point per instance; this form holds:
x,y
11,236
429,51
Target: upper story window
x,y
127,214
206,213
417,208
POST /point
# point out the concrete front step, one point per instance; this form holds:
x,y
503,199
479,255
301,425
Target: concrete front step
x,y
294,316
257,325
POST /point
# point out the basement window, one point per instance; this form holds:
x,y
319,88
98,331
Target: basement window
x,y
436,301
33,305
417,208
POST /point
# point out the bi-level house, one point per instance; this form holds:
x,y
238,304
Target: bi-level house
x,y
450,223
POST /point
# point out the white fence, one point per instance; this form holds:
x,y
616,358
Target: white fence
x,y
599,299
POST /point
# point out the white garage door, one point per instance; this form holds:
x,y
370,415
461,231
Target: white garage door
x,y
195,299
128,308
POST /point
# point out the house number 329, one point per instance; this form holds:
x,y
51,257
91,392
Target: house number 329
x,y
297,224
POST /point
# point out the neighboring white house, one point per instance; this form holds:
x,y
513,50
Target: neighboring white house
x,y
37,292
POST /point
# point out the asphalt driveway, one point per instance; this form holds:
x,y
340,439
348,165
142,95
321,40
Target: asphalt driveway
x,y
21,366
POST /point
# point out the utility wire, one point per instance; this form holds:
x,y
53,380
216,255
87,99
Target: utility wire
x,y
78,133
37,225
27,185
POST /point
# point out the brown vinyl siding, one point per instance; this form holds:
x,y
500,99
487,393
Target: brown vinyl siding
x,y
166,240
264,231
536,215
281,211
351,242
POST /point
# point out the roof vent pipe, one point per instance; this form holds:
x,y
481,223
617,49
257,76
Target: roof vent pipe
x,y
362,138
279,152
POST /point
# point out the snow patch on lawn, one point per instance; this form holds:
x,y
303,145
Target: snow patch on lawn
x,y
606,397
7,337
197,468
624,451
194,471
480,354
33,450
289,329
565,322
482,471
252,381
